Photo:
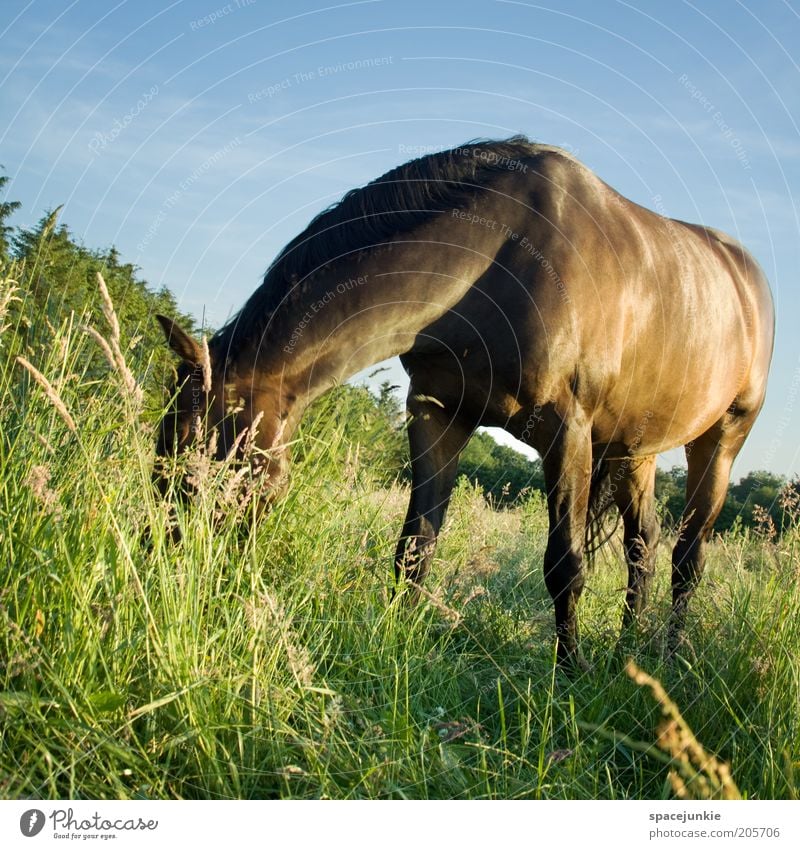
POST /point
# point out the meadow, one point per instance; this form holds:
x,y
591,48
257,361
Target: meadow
x,y
261,659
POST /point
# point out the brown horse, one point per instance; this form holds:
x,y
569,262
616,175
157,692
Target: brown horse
x,y
523,292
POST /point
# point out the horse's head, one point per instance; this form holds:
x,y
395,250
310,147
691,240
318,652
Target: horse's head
x,y
227,416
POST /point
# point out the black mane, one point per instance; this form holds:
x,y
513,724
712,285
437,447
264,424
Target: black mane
x,y
397,202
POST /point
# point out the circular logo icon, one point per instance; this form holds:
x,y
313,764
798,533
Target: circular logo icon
x,y
31,822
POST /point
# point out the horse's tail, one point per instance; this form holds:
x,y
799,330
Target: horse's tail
x,y
601,500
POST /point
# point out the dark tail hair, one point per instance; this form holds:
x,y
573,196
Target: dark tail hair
x,y
601,500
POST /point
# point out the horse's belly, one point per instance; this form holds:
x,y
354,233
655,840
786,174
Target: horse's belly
x,y
650,417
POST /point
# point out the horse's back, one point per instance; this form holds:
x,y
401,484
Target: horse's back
x,y
641,316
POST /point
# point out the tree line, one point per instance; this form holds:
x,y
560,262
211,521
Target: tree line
x,y
56,281
757,500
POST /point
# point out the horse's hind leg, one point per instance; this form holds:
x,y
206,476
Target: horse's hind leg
x,y
436,440
709,458
633,484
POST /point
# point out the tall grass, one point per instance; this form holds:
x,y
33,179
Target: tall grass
x,y
267,663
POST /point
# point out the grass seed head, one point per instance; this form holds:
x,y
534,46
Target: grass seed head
x,y
50,392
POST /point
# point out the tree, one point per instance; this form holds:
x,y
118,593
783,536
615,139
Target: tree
x,y
760,488
504,474
58,280
7,209
671,493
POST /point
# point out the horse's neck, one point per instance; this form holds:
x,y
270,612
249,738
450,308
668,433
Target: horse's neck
x,y
367,311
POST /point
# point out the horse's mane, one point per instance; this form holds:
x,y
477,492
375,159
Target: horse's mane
x,y
365,218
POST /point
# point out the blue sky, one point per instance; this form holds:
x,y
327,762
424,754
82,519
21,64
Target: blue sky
x,y
199,137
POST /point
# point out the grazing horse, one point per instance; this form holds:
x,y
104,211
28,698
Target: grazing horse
x,y
520,291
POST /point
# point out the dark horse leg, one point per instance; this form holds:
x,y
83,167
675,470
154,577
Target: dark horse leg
x,y
634,495
567,465
709,459
435,439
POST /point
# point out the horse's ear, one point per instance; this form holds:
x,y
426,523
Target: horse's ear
x,y
180,341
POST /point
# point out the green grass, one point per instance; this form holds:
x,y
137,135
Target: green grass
x,y
269,664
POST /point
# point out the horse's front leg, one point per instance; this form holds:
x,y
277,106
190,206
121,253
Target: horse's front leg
x,y
436,439
567,466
